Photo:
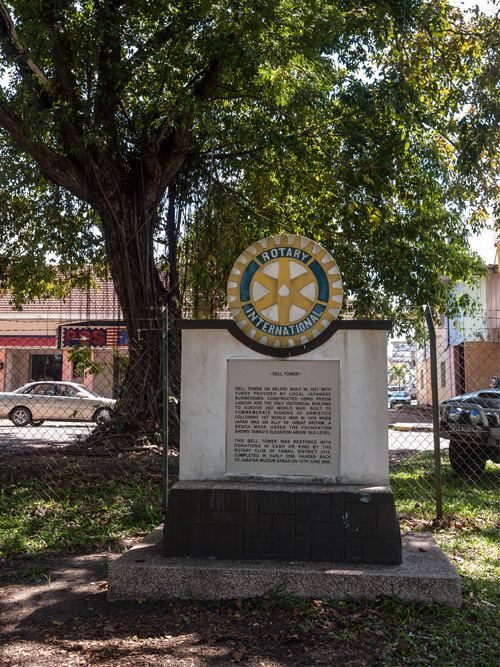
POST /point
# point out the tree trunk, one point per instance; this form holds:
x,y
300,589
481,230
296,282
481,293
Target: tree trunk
x,y
141,294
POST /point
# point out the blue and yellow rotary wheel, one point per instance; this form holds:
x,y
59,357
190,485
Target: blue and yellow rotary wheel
x,y
283,291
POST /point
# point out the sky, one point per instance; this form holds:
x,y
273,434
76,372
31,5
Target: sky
x,y
485,6
485,246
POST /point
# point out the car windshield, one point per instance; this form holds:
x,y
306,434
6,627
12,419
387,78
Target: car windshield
x,y
87,392
77,390
492,394
399,393
25,389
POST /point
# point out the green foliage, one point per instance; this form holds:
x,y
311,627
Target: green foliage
x,y
369,128
81,358
398,373
362,152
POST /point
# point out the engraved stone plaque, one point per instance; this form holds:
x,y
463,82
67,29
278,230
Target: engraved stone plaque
x,y
283,418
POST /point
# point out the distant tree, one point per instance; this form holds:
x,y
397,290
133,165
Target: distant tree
x,y
398,374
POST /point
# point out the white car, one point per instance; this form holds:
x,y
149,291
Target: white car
x,y
37,402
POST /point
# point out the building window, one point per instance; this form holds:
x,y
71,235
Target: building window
x,y
46,367
443,373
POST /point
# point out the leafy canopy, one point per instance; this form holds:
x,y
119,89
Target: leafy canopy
x,y
372,128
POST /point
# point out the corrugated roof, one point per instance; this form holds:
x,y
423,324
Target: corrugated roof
x,y
81,304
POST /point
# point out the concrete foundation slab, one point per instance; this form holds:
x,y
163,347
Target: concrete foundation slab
x,y
426,575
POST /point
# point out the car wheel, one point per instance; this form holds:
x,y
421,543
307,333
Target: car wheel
x,y
103,415
37,422
20,416
466,459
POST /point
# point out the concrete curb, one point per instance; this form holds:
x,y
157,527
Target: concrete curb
x,y
425,576
411,427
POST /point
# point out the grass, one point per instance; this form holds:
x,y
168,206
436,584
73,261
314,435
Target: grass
x,y
71,503
74,503
388,632
469,534
412,482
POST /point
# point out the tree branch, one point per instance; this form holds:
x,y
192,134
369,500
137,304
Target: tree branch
x,y
17,51
160,164
154,44
66,86
53,166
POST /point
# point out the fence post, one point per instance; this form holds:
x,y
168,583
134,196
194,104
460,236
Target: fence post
x,y
165,406
435,411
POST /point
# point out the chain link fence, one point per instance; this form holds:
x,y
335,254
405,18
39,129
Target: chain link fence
x,y
62,388
462,463
69,456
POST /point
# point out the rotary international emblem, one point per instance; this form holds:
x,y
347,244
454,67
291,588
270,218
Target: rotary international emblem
x,y
283,291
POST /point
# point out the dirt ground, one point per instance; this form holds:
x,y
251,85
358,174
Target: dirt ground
x,y
54,613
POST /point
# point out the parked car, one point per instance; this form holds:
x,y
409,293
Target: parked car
x,y
392,388
399,398
56,401
471,422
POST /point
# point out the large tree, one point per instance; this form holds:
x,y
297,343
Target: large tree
x,y
392,163
334,119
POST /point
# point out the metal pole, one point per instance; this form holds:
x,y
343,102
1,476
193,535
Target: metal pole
x,y
435,411
165,405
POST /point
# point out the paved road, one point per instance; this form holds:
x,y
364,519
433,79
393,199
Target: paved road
x,y
413,440
47,435
64,433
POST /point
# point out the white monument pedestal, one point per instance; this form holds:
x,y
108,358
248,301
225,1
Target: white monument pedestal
x,y
284,457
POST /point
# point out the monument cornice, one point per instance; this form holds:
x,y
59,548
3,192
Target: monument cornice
x,y
279,352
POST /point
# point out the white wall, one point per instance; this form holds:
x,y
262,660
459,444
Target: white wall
x,y
363,402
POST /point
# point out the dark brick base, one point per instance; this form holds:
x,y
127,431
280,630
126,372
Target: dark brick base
x,y
342,524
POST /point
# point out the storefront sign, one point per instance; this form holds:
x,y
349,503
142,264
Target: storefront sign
x,y
92,335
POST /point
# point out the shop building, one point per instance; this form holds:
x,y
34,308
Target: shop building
x,y
468,348
36,343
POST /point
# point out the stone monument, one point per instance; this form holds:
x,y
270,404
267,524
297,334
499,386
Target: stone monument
x,y
283,444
